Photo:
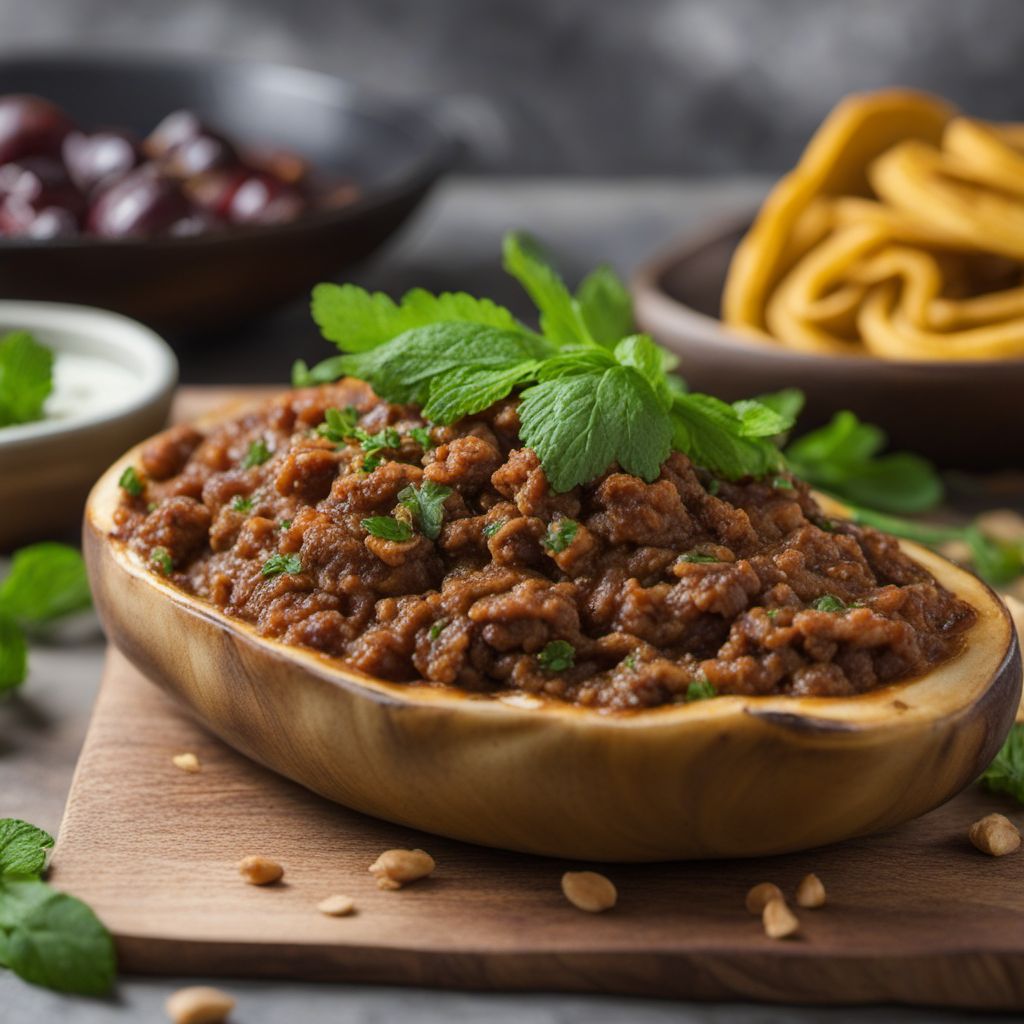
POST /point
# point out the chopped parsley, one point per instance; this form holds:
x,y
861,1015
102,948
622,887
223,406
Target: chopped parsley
x,y
130,483
780,483
278,564
492,528
421,435
557,656
700,689
257,454
389,437
285,524
339,424
242,504
370,463
161,558
829,603
437,629
426,506
560,534
698,557
387,528
629,662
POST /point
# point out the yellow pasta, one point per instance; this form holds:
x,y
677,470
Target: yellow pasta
x,y
899,234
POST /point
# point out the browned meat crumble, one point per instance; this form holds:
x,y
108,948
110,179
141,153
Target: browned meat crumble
x,y
663,584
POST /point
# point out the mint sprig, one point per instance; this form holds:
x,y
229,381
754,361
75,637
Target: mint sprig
x,y
1006,773
47,937
26,378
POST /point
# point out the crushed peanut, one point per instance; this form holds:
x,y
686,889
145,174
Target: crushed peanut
x,y
995,835
199,1005
187,762
810,893
779,921
759,896
589,891
337,906
258,870
395,868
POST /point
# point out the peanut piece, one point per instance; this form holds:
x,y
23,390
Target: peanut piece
x,y
395,868
810,893
199,1005
995,835
337,906
759,896
258,870
589,891
187,763
779,921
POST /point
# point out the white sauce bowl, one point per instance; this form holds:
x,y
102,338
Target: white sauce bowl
x,y
113,383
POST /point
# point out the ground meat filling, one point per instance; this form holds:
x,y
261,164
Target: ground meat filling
x,y
655,587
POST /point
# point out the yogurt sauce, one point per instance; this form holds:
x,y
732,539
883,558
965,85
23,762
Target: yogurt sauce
x,y
85,386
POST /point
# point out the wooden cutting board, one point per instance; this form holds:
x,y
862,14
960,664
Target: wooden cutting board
x,y
915,915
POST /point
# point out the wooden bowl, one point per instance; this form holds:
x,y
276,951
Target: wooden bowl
x,y
47,468
729,777
393,150
960,414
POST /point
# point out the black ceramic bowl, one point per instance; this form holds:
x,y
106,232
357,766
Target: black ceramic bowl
x,y
393,150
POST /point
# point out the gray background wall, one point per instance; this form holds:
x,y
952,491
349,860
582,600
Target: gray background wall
x,y
591,86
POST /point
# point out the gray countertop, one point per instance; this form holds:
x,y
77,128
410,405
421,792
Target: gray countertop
x,y
454,243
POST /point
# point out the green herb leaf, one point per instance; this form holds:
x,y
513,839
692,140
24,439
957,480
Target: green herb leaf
x,y
781,483
829,603
278,564
13,654
606,306
426,503
54,940
357,320
338,424
492,528
999,562
788,403
560,534
325,372
130,483
639,352
700,689
242,504
561,317
760,420
385,439
697,557
557,656
26,378
23,848
843,458
257,454
580,425
387,528
370,463
471,389
436,629
629,662
1006,773
161,558
421,435
46,582
403,369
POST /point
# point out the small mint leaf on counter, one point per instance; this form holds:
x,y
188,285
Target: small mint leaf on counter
x,y
23,848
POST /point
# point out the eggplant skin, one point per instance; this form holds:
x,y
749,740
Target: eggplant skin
x,y
729,777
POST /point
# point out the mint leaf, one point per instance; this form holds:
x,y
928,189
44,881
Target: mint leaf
x,y
387,528
843,458
26,378
54,940
471,389
711,433
788,403
338,424
575,361
13,654
647,359
760,420
580,425
402,369
606,306
426,504
1006,773
46,581
325,372
561,318
357,320
23,848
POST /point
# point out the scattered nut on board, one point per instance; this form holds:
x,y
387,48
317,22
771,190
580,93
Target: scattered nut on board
x,y
779,921
258,870
199,1005
337,906
810,893
395,868
187,763
758,897
995,835
589,891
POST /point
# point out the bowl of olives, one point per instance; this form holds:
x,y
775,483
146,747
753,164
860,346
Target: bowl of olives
x,y
195,194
